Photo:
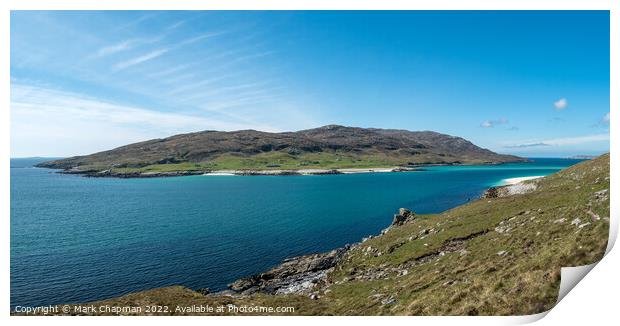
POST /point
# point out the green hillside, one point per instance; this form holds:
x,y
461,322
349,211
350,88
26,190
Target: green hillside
x,y
328,147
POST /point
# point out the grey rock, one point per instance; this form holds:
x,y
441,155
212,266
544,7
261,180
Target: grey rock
x,y
204,291
404,215
297,275
387,301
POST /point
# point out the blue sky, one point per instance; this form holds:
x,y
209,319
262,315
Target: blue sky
x,y
528,83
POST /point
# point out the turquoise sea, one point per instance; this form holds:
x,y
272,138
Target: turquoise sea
x,y
77,239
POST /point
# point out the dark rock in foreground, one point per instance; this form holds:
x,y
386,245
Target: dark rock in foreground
x,y
402,217
297,275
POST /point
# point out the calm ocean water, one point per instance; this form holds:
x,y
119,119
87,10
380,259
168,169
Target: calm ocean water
x,y
76,239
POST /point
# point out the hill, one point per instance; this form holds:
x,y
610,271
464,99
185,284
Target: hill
x,y
498,255
328,147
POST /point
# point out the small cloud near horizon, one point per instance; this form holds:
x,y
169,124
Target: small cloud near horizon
x,y
527,145
605,118
561,104
569,141
602,123
493,123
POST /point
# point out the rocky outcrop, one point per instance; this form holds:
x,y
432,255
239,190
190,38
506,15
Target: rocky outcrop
x,y
323,172
406,169
299,275
404,215
304,274
509,190
127,175
493,192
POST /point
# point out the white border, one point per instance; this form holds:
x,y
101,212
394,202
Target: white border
x,y
313,5
593,300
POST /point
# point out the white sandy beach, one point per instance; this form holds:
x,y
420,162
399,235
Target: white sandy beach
x,y
307,171
372,170
512,181
218,173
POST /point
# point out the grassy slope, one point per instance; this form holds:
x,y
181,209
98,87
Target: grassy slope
x,y
474,278
279,160
448,273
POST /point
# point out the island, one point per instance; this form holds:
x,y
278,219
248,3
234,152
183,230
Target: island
x,y
331,149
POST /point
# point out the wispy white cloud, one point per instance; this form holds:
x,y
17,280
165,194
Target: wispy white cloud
x,y
177,79
198,38
560,104
254,56
568,141
605,118
200,85
241,101
114,48
602,123
128,44
67,120
136,21
540,144
124,46
577,140
170,71
493,123
44,100
138,60
223,85
176,25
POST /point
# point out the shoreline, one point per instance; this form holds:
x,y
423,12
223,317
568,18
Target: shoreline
x,y
135,175
312,171
513,181
252,172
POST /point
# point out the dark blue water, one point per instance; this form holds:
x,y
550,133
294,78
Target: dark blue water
x,y
76,239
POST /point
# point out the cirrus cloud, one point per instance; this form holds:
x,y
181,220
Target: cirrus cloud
x,y
60,123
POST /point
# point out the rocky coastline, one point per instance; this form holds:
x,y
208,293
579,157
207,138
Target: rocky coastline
x,y
130,175
308,274
304,275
